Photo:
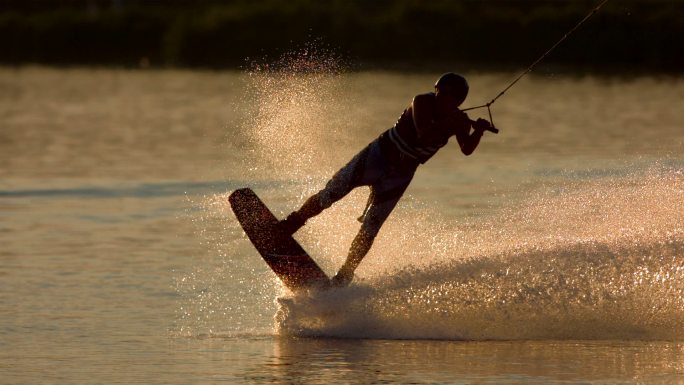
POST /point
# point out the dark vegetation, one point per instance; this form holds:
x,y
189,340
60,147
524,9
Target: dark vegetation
x,y
625,34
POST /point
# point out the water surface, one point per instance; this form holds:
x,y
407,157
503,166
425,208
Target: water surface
x,y
552,255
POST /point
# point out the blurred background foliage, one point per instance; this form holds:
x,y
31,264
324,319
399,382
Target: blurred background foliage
x,y
625,34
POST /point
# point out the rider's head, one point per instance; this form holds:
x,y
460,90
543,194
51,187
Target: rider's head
x,y
452,85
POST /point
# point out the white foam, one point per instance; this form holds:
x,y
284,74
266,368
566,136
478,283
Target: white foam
x,y
593,260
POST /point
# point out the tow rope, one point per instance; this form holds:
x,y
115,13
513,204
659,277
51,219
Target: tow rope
x,y
542,57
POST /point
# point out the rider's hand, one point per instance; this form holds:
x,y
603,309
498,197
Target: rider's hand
x,y
481,124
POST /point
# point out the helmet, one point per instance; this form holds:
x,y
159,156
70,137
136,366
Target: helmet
x,y
454,85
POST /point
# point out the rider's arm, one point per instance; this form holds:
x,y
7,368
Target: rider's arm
x,y
466,140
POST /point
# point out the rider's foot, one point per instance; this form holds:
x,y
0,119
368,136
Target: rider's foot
x,y
292,223
342,278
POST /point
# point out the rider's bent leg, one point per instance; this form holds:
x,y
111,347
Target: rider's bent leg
x,y
375,216
352,175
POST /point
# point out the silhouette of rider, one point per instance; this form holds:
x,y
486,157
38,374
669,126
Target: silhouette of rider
x,y
388,163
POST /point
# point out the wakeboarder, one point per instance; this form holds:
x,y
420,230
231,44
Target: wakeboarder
x,y
388,163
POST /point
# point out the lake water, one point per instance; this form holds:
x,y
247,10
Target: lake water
x,y
554,254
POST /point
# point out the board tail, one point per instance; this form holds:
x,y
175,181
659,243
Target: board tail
x,y
281,252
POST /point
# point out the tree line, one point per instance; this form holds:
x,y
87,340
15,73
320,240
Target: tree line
x,y
630,34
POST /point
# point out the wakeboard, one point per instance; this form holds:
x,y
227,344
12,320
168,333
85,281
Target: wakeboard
x,y
282,253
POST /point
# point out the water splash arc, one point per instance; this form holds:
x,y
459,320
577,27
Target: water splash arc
x,y
591,262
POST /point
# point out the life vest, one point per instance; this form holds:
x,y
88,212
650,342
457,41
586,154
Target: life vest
x,y
404,137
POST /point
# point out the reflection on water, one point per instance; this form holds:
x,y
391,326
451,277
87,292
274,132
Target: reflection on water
x,y
120,260
321,361
364,362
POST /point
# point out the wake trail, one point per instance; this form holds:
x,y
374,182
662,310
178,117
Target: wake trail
x,y
599,260
595,258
